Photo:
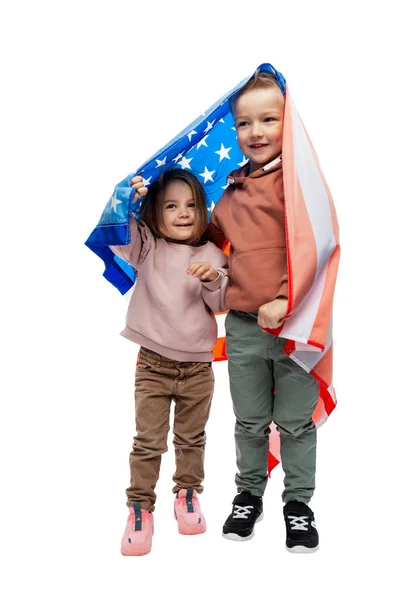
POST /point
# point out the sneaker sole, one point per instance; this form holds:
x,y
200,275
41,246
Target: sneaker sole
x,y
234,537
301,549
191,528
137,552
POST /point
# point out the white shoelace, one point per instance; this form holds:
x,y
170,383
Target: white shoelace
x,y
242,512
299,523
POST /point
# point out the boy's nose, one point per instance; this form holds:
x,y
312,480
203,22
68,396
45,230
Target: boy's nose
x,y
256,130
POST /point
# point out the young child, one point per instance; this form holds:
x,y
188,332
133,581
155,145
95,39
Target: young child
x,y
266,385
181,282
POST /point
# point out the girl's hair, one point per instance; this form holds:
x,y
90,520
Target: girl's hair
x,y
152,208
261,79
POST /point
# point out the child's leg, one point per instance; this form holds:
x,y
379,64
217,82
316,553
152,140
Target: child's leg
x,y
251,385
295,401
194,390
153,395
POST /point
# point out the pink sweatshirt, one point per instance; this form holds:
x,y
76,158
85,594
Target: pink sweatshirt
x,y
171,312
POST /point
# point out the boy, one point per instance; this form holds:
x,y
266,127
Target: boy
x,y
266,385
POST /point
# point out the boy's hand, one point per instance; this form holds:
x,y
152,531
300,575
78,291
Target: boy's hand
x,y
137,184
203,271
271,314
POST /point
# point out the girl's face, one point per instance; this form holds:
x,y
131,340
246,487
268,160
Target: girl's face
x,y
178,212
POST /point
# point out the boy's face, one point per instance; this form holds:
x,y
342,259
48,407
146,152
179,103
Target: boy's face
x,y
259,124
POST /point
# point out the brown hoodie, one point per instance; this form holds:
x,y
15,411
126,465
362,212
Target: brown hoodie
x,y
250,215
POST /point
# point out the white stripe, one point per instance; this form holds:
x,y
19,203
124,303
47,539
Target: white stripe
x,y
299,326
314,193
310,355
221,325
322,418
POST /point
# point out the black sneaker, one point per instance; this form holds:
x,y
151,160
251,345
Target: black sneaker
x,y
301,533
247,510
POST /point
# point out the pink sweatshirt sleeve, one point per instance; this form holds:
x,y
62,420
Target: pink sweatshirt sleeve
x,y
141,242
214,292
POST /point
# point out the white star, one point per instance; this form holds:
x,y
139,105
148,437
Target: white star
x,y
234,128
203,142
244,161
115,202
177,158
224,186
190,134
161,163
207,175
185,163
146,182
223,152
211,208
221,120
209,126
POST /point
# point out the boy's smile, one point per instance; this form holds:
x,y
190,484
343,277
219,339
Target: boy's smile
x,y
259,124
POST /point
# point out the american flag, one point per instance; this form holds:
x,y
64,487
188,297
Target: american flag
x,y
208,147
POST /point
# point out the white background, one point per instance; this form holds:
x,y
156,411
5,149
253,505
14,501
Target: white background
x,y
89,91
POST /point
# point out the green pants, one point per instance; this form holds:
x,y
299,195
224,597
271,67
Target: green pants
x,y
266,385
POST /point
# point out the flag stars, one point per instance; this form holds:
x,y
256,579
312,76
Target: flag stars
x,y
185,163
211,207
146,182
209,126
207,175
244,161
191,133
161,163
115,202
202,142
177,158
223,152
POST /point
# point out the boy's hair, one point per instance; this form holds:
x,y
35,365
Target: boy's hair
x,y
261,79
151,211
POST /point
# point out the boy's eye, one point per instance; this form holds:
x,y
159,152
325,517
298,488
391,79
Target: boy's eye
x,y
241,124
268,119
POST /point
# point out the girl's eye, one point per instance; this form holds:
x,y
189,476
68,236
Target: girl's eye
x,y
192,205
170,206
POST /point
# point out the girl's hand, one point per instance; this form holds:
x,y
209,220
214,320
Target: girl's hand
x,y
271,314
137,184
203,271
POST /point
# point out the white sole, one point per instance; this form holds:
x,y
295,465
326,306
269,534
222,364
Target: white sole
x,y
301,550
234,537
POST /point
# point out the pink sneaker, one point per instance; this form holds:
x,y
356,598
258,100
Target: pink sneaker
x,y
188,513
138,533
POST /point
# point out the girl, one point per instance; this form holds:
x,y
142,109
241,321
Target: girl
x,y
181,282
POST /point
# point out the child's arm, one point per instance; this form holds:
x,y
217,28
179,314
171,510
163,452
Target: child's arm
x,y
141,238
215,282
141,242
271,315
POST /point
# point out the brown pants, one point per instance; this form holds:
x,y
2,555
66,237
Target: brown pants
x,y
160,380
